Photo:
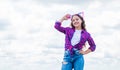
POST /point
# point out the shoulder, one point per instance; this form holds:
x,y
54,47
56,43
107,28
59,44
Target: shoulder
x,y
69,28
86,33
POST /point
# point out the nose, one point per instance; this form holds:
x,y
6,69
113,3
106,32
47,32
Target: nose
x,y
75,21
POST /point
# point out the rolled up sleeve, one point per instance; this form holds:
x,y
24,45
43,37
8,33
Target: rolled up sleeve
x,y
59,27
91,43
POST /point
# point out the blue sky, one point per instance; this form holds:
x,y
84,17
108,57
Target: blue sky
x,y
28,40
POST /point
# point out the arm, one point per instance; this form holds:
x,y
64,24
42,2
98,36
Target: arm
x,y
85,52
91,43
58,24
92,46
59,27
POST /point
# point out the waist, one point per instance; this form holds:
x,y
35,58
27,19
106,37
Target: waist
x,y
73,51
78,46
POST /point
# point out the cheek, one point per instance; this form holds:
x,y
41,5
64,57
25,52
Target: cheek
x,y
79,24
80,21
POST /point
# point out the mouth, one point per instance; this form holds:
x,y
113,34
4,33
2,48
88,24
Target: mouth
x,y
76,23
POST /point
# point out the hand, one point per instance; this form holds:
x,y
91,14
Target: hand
x,y
82,52
85,52
66,17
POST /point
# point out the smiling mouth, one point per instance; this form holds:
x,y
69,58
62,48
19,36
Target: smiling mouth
x,y
76,23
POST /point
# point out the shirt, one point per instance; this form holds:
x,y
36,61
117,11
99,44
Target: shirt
x,y
76,37
85,36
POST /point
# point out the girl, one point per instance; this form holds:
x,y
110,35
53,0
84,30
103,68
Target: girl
x,y
75,38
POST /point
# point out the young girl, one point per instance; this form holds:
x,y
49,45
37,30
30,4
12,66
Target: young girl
x,y
75,38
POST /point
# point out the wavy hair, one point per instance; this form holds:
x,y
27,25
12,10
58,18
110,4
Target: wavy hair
x,y
82,24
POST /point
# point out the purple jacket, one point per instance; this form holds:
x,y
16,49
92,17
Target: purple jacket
x,y
85,36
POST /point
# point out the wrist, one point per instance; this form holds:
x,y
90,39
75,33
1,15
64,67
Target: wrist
x,y
85,53
82,52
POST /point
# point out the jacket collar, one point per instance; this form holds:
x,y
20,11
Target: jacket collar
x,y
82,31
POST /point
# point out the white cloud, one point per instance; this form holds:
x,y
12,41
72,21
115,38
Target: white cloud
x,y
30,40
95,5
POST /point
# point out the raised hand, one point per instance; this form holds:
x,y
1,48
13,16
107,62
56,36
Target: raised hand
x,y
65,17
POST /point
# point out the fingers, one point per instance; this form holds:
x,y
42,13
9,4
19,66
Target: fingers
x,y
82,52
67,16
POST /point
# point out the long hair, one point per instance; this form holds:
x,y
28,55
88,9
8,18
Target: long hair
x,y
82,24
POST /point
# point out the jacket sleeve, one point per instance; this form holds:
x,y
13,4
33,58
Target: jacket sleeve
x,y
59,27
91,43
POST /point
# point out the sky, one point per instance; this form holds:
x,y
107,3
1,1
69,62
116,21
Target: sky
x,y
29,41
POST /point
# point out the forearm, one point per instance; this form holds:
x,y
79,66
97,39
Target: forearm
x,y
87,51
61,20
59,23
66,17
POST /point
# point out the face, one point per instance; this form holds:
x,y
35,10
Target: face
x,y
76,21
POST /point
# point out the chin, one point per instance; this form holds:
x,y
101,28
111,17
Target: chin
x,y
76,25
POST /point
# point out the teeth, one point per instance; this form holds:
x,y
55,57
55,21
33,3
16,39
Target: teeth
x,y
76,23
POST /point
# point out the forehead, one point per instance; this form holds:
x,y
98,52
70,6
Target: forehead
x,y
75,17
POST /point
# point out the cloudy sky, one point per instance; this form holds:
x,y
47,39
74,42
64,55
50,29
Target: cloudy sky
x,y
28,40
